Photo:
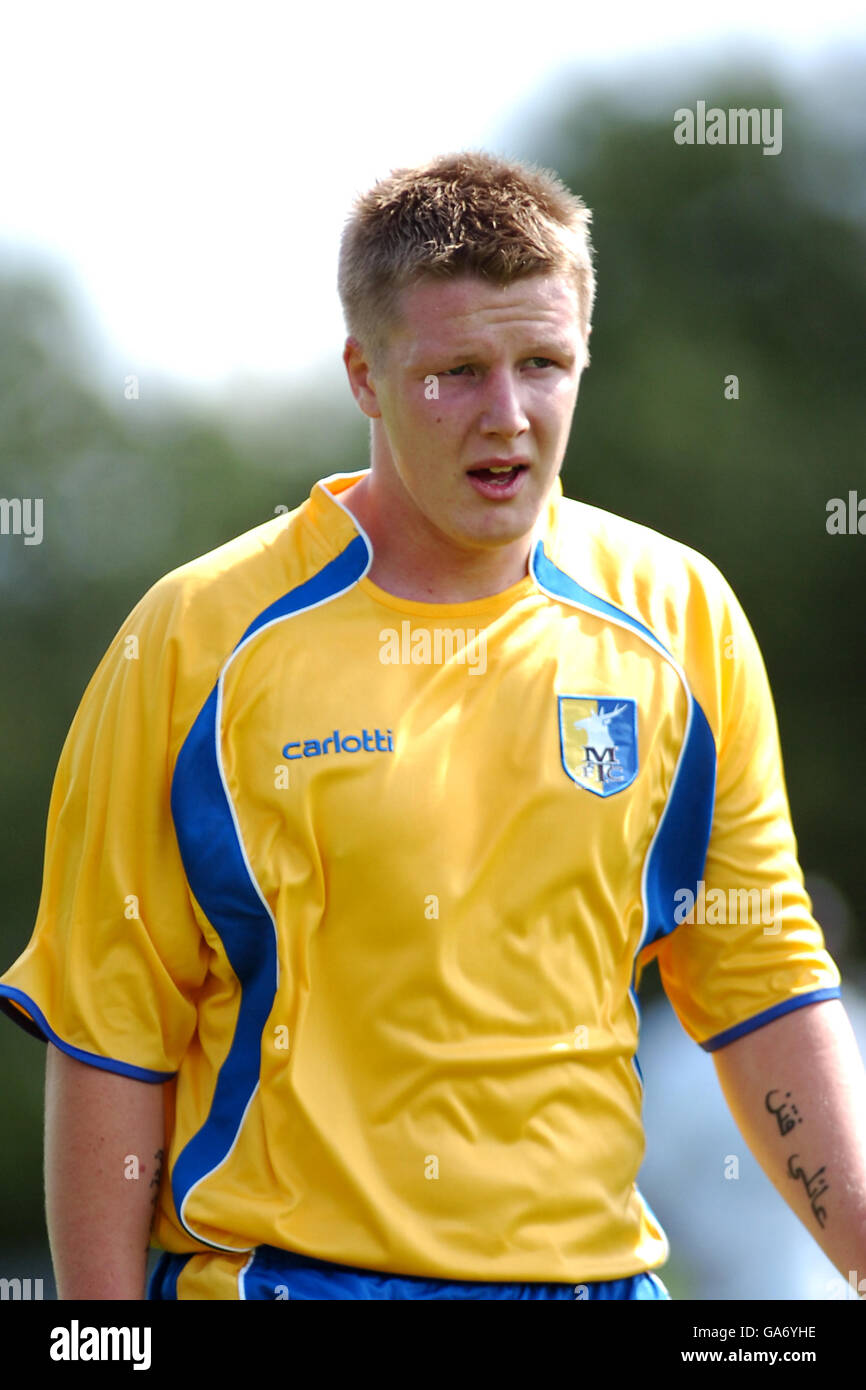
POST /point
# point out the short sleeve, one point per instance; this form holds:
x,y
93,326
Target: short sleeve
x,y
116,957
745,948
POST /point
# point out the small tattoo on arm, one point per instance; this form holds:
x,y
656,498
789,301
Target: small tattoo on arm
x,y
157,1176
815,1186
787,1115
154,1189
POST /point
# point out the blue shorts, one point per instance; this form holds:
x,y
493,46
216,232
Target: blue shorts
x,y
274,1275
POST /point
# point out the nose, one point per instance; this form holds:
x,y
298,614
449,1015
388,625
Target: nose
x,y
502,411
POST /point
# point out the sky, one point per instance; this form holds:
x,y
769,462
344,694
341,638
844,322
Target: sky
x,y
187,167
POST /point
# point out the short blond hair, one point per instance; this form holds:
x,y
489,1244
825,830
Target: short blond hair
x,y
470,212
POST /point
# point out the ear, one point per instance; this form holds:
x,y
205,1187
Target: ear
x,y
360,374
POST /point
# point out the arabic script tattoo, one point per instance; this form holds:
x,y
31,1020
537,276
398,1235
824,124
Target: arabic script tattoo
x,y
787,1116
815,1186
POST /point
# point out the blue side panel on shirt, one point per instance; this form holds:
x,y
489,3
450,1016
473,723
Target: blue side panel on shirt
x,y
679,854
218,876
679,851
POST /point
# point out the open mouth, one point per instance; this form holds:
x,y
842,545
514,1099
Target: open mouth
x,y
498,476
497,482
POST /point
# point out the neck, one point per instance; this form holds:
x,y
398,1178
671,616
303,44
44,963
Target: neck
x,y
411,560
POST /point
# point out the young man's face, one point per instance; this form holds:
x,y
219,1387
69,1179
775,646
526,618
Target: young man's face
x,y
476,377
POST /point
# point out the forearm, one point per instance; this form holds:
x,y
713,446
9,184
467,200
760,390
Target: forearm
x,y
797,1091
104,1137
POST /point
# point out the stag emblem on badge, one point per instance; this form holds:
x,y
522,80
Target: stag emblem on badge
x,y
598,742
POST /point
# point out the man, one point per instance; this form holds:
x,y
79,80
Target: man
x,y
370,819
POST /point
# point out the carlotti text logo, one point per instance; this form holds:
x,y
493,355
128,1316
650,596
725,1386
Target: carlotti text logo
x,y
379,741
598,742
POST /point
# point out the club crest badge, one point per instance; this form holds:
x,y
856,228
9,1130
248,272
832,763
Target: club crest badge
x,y
598,742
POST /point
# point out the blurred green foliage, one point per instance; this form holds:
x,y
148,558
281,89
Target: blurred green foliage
x,y
710,262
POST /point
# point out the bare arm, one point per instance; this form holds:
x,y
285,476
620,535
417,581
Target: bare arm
x,y
99,1215
797,1090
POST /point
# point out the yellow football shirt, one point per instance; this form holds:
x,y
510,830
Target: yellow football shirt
x,y
369,883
